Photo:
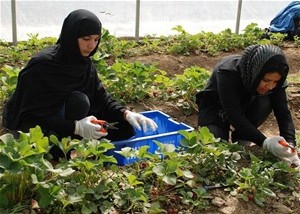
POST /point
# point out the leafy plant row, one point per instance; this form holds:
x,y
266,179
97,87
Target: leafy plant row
x,y
132,82
180,43
90,182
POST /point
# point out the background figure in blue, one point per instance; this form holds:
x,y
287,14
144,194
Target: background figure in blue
x,y
60,91
242,92
287,21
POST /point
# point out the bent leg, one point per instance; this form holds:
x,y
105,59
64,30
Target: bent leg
x,y
257,113
77,106
219,132
259,110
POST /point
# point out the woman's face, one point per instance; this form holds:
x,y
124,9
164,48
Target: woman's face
x,y
87,44
268,82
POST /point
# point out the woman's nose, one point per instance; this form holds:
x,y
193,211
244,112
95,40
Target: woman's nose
x,y
271,85
92,44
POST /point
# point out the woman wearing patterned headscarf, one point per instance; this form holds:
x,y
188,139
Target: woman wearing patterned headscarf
x,y
60,91
240,95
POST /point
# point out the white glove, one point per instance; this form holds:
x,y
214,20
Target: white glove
x,y
281,149
138,121
86,129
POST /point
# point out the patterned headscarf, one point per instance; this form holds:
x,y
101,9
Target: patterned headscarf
x,y
257,60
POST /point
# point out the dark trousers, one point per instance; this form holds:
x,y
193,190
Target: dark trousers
x,y
256,112
76,107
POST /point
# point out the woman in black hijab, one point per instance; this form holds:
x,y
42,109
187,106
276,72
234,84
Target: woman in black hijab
x,y
60,91
240,95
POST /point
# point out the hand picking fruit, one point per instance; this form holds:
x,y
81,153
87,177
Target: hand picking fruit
x,y
282,149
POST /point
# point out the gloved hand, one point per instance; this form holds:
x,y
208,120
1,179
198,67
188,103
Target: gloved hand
x,y
292,158
139,121
86,129
281,149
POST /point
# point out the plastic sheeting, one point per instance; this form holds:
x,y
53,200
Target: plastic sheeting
x,y
284,20
157,17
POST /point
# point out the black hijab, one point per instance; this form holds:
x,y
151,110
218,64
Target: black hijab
x,y
54,73
78,23
257,60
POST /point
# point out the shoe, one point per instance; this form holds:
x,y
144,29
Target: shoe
x,y
244,142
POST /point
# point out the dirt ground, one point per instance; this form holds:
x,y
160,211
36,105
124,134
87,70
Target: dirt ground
x,y
176,64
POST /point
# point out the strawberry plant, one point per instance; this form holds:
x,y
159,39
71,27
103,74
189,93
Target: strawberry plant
x,y
187,85
172,180
128,82
19,159
172,177
255,182
8,82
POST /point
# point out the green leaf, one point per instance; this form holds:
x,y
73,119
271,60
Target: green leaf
x,y
42,183
200,191
258,201
188,174
35,134
74,199
170,179
246,173
172,166
205,136
45,199
86,165
132,179
254,159
143,152
268,192
5,162
85,210
6,138
62,172
54,140
279,185
156,208
25,149
191,183
159,170
126,152
168,148
42,145
107,159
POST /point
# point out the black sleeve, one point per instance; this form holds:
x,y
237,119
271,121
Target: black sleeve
x,y
283,115
62,127
229,88
103,106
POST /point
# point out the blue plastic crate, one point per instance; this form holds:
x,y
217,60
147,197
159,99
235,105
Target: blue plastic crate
x,y
167,133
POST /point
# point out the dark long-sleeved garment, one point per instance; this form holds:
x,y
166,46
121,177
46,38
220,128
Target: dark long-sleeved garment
x,y
53,74
226,93
42,89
